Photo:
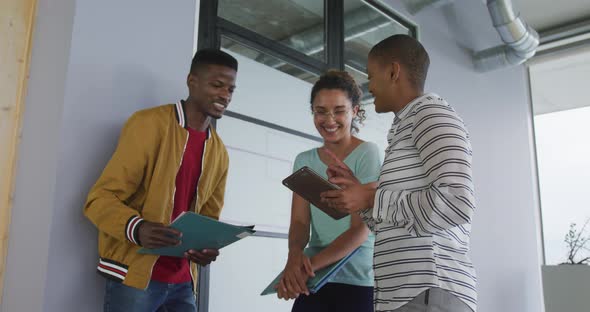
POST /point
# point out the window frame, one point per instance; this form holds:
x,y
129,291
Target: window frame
x,y
212,27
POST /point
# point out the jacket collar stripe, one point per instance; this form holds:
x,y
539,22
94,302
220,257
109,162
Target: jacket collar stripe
x,y
180,114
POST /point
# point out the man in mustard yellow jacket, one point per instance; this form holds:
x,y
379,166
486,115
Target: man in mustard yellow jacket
x,y
168,160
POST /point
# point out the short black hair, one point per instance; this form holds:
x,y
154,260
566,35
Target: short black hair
x,y
212,57
407,51
341,80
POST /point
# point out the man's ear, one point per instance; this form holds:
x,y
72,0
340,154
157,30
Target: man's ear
x,y
395,69
191,79
188,79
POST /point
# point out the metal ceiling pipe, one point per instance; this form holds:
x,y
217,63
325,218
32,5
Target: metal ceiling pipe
x,y
415,6
358,23
520,40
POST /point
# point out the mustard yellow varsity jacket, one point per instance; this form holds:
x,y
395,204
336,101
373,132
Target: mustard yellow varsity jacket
x,y
138,183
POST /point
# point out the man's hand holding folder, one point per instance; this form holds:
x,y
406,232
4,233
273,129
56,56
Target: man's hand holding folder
x,y
193,236
203,257
156,235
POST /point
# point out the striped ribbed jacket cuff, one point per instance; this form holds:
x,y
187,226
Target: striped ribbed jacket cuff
x,y
132,228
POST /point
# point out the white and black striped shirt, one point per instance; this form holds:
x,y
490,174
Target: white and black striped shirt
x,y
423,207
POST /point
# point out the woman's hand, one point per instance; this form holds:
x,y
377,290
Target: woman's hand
x,y
297,271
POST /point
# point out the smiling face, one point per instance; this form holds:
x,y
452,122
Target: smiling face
x,y
382,84
333,115
211,89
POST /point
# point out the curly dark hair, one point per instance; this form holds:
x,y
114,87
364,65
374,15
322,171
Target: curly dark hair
x,y
341,80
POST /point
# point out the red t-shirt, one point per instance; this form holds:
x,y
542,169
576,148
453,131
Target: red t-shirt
x,y
175,270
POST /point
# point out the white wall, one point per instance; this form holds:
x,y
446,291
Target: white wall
x,y
28,245
139,59
124,56
134,54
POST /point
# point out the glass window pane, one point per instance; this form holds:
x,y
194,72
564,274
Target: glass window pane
x,y
260,163
365,26
561,115
298,24
242,272
563,183
278,64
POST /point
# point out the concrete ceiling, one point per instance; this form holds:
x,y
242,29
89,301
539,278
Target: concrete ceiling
x,y
547,14
560,82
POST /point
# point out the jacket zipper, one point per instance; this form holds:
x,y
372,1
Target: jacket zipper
x,y
196,204
173,194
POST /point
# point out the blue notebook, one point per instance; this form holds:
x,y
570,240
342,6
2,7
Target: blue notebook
x,y
200,232
321,277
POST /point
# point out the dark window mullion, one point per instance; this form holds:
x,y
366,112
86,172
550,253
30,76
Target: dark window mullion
x,y
208,38
334,33
208,33
269,46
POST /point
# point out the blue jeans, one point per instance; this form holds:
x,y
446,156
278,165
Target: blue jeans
x,y
158,297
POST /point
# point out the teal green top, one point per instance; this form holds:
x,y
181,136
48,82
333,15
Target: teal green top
x,y
365,162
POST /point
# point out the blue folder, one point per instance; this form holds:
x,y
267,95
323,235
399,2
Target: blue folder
x,y
321,277
200,232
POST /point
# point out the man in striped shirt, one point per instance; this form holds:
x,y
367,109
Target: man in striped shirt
x,y
422,205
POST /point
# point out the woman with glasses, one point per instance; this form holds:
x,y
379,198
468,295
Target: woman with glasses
x,y
335,104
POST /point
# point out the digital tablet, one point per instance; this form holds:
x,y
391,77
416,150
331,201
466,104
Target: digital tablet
x,y
309,185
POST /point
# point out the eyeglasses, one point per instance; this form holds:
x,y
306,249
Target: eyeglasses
x,y
324,115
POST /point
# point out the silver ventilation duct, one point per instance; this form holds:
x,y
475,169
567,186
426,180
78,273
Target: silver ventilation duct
x,y
520,40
